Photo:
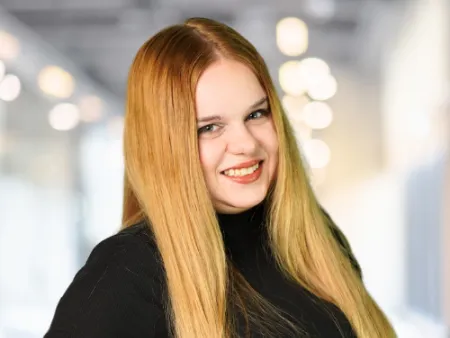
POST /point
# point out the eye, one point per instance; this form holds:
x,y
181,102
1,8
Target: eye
x,y
207,129
258,114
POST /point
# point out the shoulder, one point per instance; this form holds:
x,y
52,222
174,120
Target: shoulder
x,y
130,251
128,245
120,288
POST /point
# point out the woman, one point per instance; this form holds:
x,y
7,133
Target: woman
x,y
222,235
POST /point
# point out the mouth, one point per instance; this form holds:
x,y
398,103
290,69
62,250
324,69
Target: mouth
x,y
242,171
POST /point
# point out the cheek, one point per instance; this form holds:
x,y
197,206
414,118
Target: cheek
x,y
274,143
272,147
204,161
209,158
270,140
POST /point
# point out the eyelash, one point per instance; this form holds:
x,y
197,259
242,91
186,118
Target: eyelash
x,y
264,113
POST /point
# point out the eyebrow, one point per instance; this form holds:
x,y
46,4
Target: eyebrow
x,y
218,117
258,103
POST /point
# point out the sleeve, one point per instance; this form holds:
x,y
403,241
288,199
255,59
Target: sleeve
x,y
117,293
343,242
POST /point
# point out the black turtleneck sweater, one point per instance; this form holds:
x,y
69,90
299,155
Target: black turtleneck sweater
x,y
120,291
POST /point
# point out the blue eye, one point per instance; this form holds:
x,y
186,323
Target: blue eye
x,y
258,114
207,129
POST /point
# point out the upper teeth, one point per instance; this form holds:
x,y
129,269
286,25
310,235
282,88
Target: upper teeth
x,y
241,172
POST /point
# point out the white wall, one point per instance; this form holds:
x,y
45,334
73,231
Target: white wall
x,y
371,211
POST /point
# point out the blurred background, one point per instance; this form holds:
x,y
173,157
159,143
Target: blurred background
x,y
364,82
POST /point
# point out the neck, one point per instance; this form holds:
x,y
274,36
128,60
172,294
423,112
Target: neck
x,y
243,233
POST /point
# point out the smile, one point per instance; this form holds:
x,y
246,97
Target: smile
x,y
241,172
244,175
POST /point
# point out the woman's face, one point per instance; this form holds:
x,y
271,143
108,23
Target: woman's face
x,y
237,140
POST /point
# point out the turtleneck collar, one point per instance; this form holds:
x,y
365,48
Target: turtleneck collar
x,y
243,233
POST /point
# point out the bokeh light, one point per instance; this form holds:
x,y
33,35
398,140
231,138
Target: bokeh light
x,y
317,115
292,36
324,89
56,82
293,106
9,46
2,70
290,77
91,108
10,87
64,116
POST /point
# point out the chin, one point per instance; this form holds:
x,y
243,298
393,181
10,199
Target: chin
x,y
245,205
241,203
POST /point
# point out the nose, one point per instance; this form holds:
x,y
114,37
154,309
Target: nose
x,y
241,141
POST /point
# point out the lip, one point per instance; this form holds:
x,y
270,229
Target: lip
x,y
247,179
247,164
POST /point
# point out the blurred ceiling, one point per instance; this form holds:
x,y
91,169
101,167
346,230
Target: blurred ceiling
x,y
102,36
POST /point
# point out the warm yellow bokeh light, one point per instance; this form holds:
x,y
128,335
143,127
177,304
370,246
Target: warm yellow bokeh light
x,y
293,106
317,115
313,71
55,81
9,46
324,89
290,78
314,67
292,36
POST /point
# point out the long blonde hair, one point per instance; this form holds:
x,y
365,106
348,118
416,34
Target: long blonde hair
x,y
164,185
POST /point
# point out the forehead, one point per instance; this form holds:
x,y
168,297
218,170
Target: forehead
x,y
225,87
